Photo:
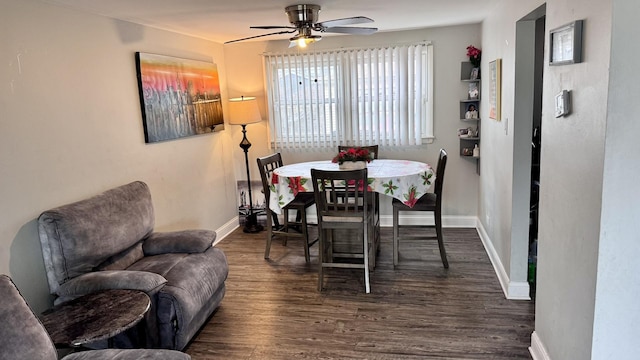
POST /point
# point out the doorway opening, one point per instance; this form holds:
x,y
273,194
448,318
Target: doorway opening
x,y
527,125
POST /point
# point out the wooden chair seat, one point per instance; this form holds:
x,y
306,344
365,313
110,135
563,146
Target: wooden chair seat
x,y
426,203
305,199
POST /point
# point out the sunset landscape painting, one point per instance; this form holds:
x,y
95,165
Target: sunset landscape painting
x,y
178,97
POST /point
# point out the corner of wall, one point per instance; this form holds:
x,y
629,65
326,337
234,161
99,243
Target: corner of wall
x,y
513,290
537,348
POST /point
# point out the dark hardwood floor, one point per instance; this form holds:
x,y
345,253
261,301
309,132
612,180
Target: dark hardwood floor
x,y
272,309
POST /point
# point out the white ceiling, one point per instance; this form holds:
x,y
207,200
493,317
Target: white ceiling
x,y
226,20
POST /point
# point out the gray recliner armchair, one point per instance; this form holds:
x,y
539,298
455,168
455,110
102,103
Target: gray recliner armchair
x,y
108,242
24,337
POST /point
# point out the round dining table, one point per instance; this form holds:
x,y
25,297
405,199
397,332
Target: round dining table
x,y
402,179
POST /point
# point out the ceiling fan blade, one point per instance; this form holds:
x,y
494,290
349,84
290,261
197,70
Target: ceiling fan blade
x,y
257,36
345,21
271,27
350,30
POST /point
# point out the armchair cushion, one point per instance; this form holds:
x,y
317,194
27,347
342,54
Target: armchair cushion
x,y
145,281
124,259
186,241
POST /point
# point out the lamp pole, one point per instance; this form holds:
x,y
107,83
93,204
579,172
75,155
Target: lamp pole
x,y
251,222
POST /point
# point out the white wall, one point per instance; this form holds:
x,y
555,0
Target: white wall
x,y
617,319
572,165
497,168
70,127
571,185
244,72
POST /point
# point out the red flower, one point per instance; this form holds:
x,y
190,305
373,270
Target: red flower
x,y
474,55
410,197
274,178
295,184
352,154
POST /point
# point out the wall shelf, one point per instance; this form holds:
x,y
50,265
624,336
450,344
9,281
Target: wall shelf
x,y
467,144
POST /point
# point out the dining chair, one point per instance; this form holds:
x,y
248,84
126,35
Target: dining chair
x,y
373,196
347,212
302,201
428,202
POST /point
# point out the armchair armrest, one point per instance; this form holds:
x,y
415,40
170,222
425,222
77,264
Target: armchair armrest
x,y
127,354
87,283
186,241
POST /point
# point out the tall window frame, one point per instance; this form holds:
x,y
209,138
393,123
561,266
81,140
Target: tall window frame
x,y
356,96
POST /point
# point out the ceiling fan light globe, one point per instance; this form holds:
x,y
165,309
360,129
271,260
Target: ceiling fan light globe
x,y
303,41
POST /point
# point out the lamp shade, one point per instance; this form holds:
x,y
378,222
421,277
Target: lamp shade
x,y
243,110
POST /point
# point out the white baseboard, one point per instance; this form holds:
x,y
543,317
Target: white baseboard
x,y
513,290
427,218
417,219
537,348
226,229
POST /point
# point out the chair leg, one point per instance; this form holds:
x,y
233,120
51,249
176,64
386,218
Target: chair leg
x,y
305,234
443,252
286,226
367,250
269,233
396,231
321,256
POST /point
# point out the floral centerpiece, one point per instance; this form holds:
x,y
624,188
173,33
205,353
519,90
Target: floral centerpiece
x,y
474,55
353,158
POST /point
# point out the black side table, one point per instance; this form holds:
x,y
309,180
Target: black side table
x,y
95,316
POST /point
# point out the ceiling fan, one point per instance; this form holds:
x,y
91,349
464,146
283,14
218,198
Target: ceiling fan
x,y
304,20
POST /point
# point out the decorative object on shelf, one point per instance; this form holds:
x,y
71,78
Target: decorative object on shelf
x,y
476,151
495,84
474,55
474,92
467,151
471,113
463,133
178,97
566,44
475,73
353,158
244,111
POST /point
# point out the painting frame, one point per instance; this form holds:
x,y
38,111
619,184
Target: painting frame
x,y
178,97
495,89
565,44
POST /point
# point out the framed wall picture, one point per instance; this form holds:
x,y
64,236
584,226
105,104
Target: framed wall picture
x,y
566,44
495,89
178,97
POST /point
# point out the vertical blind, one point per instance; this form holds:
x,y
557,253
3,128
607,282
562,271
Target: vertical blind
x,y
350,97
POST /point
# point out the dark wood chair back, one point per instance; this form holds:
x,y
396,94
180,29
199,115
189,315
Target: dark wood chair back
x,y
266,165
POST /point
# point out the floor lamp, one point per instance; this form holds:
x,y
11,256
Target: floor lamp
x,y
244,110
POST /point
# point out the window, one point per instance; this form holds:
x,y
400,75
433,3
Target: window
x,y
350,97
